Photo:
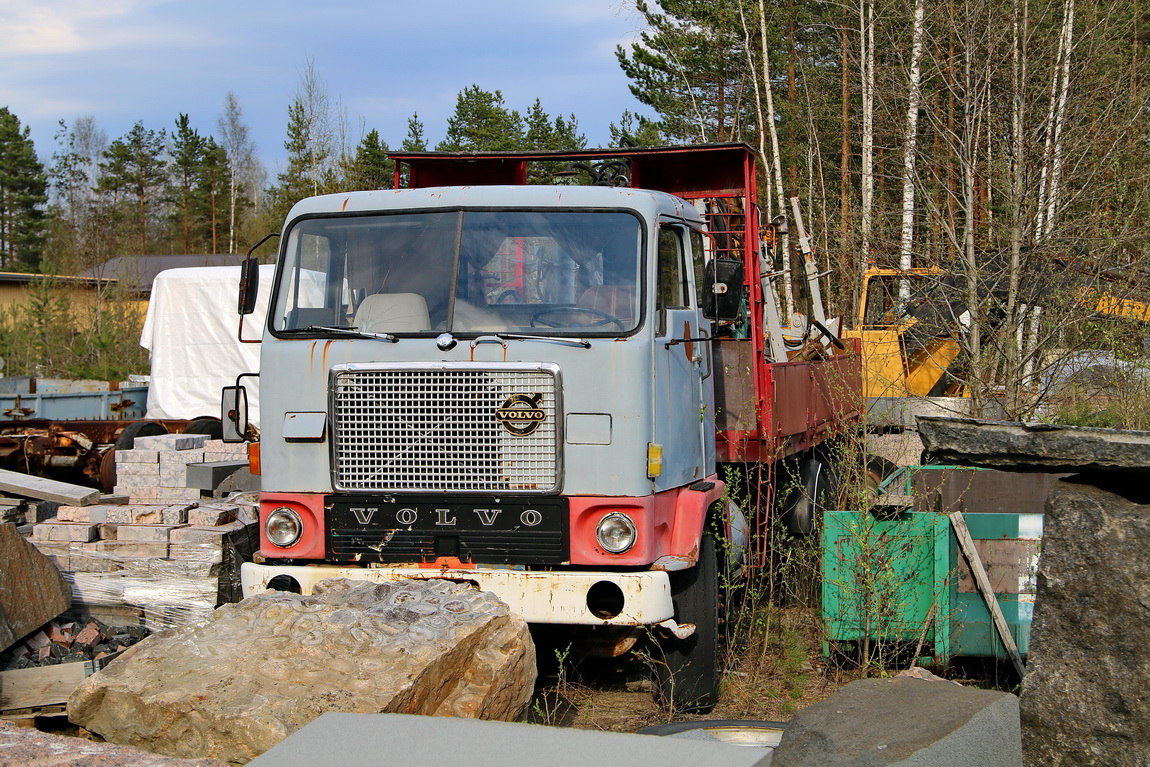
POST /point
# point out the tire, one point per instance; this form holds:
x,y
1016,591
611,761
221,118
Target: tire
x,y
687,675
211,427
813,487
127,438
878,469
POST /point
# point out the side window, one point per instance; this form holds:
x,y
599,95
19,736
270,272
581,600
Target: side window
x,y
698,261
671,292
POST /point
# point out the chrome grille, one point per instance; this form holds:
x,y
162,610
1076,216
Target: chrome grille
x,y
434,429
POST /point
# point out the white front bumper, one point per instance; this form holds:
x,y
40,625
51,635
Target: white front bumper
x,y
540,597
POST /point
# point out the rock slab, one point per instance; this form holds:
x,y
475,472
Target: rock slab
x,y
232,686
906,722
1084,698
32,590
1035,446
31,748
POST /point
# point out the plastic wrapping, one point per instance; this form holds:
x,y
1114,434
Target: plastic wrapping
x,y
162,583
191,332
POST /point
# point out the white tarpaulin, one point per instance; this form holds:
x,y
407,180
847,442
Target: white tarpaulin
x,y
190,331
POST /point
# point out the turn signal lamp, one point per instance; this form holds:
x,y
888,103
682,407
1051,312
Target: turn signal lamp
x,y
654,460
254,458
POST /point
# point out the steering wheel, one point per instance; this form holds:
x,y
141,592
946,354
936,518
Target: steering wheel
x,y
603,318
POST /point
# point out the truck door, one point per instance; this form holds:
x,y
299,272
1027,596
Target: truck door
x,y
681,410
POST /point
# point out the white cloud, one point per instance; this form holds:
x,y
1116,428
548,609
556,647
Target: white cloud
x,y
80,26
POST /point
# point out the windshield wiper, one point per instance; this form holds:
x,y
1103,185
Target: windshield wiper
x,y
344,331
557,339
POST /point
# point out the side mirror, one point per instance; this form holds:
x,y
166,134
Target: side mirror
x,y
249,285
723,290
234,413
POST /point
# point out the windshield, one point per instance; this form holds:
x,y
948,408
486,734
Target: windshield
x,y
463,271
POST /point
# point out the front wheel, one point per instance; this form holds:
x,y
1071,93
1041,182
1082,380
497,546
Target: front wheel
x,y
688,673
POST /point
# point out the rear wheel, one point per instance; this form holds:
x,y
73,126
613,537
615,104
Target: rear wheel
x,y
127,438
688,673
206,425
812,488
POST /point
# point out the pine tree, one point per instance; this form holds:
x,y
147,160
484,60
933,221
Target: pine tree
x,y
690,66
635,130
369,167
214,177
482,122
187,154
415,140
135,171
23,194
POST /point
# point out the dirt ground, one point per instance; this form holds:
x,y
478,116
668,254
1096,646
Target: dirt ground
x,y
780,670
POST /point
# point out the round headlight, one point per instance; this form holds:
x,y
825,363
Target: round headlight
x,y
283,527
616,533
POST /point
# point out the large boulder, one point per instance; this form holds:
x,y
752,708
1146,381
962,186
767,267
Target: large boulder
x,y
32,590
905,722
1084,698
234,685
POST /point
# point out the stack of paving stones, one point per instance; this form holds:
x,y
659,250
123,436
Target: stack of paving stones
x,y
164,558
156,469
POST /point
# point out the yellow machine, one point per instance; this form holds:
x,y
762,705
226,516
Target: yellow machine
x,y
907,346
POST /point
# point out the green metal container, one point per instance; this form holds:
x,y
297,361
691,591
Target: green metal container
x,y
904,579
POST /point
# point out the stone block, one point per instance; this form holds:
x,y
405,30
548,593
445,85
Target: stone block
x,y
166,443
209,475
64,531
32,590
149,514
169,495
210,515
86,514
136,456
226,449
904,722
137,473
121,552
213,535
144,533
174,476
182,459
436,647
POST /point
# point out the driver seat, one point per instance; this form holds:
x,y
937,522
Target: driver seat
x,y
616,300
393,313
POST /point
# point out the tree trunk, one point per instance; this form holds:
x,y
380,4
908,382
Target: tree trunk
x,y
866,35
910,144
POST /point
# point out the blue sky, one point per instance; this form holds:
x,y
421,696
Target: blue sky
x,y
122,61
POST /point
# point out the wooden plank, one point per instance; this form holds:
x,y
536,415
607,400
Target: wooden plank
x,y
43,686
966,543
47,489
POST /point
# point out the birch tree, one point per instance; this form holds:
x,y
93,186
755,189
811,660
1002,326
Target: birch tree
x,y
910,137
236,142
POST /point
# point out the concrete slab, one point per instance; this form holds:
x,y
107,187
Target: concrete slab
x,y
368,740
